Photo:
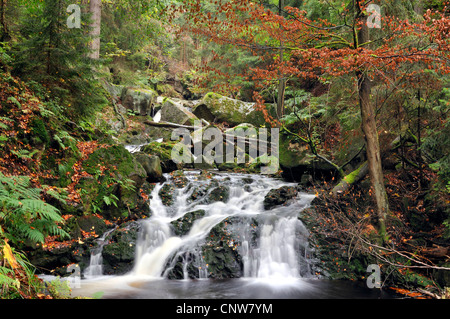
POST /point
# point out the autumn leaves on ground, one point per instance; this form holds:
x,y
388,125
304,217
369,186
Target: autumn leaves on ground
x,y
363,116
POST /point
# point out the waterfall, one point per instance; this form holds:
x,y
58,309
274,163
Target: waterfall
x,y
272,244
95,267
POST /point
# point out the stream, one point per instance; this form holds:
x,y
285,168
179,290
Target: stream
x,y
265,253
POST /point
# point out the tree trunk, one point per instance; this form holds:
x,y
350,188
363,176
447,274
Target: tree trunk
x,y
369,128
351,179
5,32
95,8
281,81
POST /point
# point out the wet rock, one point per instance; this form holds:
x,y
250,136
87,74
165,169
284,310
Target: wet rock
x,y
166,194
183,224
151,165
56,260
220,193
185,265
279,196
220,253
119,253
179,179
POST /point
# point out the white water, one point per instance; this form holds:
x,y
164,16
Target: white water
x,y
273,244
274,255
95,267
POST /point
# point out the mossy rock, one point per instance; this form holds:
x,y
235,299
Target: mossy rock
x,y
128,177
216,107
220,193
164,152
40,131
292,154
116,156
118,255
166,193
176,113
138,100
89,223
183,224
220,253
151,165
295,159
179,179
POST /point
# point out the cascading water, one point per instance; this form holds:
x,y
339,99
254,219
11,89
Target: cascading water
x,y
95,267
275,250
206,234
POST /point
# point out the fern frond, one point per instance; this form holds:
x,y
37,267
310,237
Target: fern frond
x,y
60,195
4,279
32,234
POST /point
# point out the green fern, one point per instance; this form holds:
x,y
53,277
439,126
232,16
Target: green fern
x,y
23,214
20,282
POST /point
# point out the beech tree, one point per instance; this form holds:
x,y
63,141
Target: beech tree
x,y
293,46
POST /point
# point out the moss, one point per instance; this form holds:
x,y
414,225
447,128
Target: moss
x,y
184,224
350,178
162,150
39,130
290,157
113,194
212,95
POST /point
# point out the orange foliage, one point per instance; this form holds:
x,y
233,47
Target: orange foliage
x,y
314,49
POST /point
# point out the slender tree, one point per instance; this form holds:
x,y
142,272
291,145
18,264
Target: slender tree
x,y
4,25
95,8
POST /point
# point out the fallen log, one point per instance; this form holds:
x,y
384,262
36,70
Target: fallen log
x,y
436,252
170,125
358,174
350,179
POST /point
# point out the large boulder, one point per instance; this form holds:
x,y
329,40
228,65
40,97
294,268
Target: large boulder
x,y
151,165
140,101
295,160
279,196
56,260
217,108
119,253
115,192
174,112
